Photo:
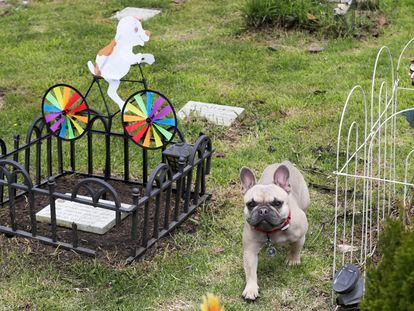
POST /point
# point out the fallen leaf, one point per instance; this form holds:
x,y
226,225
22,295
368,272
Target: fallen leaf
x,y
382,21
345,248
219,250
312,17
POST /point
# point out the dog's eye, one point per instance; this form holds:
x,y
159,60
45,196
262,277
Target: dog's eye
x,y
276,203
251,204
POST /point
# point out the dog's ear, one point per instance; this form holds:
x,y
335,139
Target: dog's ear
x,y
247,179
281,178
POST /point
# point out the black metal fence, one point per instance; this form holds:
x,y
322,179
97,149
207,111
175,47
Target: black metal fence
x,y
30,175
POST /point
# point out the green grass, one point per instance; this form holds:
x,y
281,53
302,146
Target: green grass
x,y
292,99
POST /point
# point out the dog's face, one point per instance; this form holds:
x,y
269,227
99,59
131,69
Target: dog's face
x,y
130,31
266,206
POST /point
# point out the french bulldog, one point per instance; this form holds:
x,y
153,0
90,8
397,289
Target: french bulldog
x,y
274,213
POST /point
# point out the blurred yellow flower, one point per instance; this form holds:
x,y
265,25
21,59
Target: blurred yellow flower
x,y
211,303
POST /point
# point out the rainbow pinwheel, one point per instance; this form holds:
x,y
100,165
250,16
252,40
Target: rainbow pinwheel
x,y
65,112
149,119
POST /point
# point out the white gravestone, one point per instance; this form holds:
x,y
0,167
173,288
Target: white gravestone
x,y
141,14
86,217
217,114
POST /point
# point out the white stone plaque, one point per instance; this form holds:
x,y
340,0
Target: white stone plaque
x,y
142,14
86,217
217,114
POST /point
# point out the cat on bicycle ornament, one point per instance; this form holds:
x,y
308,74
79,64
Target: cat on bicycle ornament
x,y
114,61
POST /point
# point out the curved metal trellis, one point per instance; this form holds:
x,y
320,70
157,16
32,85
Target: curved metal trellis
x,y
369,182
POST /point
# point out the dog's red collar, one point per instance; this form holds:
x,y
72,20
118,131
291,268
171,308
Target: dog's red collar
x,y
283,227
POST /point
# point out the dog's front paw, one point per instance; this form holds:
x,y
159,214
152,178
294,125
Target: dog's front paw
x,y
251,292
293,261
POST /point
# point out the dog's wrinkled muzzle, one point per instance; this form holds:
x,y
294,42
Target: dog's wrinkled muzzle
x,y
265,218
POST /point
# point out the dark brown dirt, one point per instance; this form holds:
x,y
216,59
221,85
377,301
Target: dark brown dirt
x,y
113,246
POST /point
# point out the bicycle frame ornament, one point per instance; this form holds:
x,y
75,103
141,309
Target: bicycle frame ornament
x,y
148,118
148,200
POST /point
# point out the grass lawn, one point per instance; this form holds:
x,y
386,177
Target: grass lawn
x,y
293,101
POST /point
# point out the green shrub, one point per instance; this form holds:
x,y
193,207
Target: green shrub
x,y
285,13
316,15
390,283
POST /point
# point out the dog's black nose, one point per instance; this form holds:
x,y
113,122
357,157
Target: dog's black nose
x,y
263,211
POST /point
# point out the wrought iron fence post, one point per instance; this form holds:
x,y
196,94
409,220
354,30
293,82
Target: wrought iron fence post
x,y
134,224
126,158
15,158
145,225
32,212
90,152
107,155
3,153
179,184
16,140
144,167
51,183
60,155
12,205
72,156
49,156
168,202
187,189
135,199
38,162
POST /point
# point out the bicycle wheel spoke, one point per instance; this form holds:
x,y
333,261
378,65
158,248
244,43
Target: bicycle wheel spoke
x,y
53,100
166,110
77,126
147,138
157,105
78,108
131,118
59,98
52,116
141,105
49,108
133,109
170,122
63,129
164,132
149,101
66,94
55,125
132,127
70,129
83,119
158,142
75,96
140,133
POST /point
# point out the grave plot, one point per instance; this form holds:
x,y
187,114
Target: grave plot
x,y
126,213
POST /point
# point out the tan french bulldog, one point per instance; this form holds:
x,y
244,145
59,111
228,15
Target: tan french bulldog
x,y
275,213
